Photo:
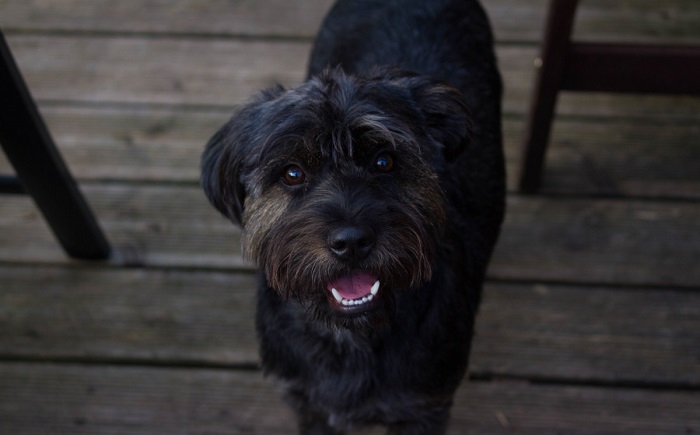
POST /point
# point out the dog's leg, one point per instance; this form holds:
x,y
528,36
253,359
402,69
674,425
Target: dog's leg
x,y
310,420
314,424
434,423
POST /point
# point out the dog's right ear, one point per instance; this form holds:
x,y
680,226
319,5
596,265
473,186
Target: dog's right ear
x,y
220,177
447,116
224,157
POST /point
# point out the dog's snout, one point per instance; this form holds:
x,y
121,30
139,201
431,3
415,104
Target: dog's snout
x,y
351,243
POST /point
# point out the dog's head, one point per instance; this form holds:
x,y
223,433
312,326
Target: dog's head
x,y
336,185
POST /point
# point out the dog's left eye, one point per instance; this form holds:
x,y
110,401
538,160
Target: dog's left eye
x,y
293,175
384,163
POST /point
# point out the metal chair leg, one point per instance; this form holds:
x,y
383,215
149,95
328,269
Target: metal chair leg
x,y
550,69
40,168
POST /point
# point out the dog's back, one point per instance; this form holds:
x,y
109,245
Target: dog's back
x,y
449,40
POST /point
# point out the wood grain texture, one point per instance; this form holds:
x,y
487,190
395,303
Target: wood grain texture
x,y
590,319
76,399
599,241
137,315
513,20
599,155
592,334
613,241
276,18
588,334
155,71
169,226
226,73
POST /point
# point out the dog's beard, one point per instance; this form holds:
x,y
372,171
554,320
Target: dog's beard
x,y
298,264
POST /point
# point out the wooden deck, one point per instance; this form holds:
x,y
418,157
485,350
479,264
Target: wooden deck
x,y
591,317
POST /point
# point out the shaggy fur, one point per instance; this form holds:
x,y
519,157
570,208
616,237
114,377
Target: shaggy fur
x,y
386,163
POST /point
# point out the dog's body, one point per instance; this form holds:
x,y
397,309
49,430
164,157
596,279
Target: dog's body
x,y
371,197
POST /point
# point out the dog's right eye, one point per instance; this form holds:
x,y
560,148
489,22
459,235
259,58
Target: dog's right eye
x,y
293,175
384,163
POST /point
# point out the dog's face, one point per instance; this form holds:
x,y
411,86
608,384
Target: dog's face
x,y
336,185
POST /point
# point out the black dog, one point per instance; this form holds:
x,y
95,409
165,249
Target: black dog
x,y
371,197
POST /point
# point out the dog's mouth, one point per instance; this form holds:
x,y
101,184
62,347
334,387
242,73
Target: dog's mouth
x,y
354,292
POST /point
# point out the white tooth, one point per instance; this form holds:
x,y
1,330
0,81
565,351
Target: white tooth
x,y
375,288
345,302
365,299
370,297
336,295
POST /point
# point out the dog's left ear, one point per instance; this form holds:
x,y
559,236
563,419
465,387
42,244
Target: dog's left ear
x,y
225,154
220,177
447,116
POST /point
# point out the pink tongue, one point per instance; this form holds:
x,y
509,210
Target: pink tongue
x,y
353,286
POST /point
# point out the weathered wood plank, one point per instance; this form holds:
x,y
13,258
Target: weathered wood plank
x,y
609,156
227,72
131,143
617,157
278,18
589,334
76,399
568,240
602,241
206,318
162,71
82,399
533,409
147,225
654,21
174,317
513,20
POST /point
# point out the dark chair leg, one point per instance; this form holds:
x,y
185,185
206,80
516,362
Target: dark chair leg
x,y
43,174
550,69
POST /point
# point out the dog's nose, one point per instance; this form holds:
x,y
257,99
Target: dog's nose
x,y
351,243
